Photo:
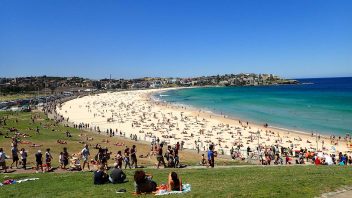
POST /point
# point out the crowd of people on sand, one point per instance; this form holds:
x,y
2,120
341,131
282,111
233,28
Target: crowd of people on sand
x,y
141,118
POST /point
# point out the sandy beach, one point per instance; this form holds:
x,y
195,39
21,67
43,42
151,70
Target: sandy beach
x,y
137,113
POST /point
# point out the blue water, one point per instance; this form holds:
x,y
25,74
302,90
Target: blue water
x,y
324,106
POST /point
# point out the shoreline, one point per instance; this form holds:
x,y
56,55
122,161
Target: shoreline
x,y
223,131
236,118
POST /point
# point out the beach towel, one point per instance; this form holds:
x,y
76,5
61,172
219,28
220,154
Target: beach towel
x,y
12,181
25,180
185,189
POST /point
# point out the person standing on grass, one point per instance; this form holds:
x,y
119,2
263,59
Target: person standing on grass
x,y
3,160
176,158
61,160
134,156
15,158
65,157
159,156
48,159
211,156
39,160
248,151
127,158
24,155
119,159
85,156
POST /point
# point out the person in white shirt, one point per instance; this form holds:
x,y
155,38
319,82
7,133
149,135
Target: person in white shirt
x,y
85,156
24,155
3,160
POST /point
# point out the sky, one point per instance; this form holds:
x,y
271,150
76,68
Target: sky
x,y
175,38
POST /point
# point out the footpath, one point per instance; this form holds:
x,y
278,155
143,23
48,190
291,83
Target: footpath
x,y
345,192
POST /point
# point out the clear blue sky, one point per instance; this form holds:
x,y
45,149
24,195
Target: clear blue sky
x,y
128,38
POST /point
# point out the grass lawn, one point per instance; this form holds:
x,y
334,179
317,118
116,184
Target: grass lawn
x,y
293,181
11,97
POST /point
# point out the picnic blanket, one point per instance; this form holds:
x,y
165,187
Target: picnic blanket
x,y
185,189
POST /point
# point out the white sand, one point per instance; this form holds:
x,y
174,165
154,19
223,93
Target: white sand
x,y
176,123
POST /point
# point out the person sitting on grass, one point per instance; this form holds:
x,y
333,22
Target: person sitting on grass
x,y
143,182
61,142
174,182
68,134
317,161
100,177
75,164
117,175
203,161
36,145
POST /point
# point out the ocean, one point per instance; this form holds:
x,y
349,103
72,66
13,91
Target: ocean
x,y
319,105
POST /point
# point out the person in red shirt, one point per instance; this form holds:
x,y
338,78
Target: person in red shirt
x,y
317,161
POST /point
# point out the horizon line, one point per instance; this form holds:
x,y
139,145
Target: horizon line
x,y
90,78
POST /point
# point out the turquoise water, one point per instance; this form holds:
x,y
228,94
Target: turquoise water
x,y
324,106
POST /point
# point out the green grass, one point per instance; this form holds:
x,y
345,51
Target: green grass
x,y
294,181
10,97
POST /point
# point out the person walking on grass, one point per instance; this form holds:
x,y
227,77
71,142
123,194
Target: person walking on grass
x,y
119,159
159,156
14,152
3,160
127,158
134,156
39,161
48,159
85,156
24,155
65,157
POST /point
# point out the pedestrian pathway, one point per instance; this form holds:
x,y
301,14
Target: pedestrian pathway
x,y
345,192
